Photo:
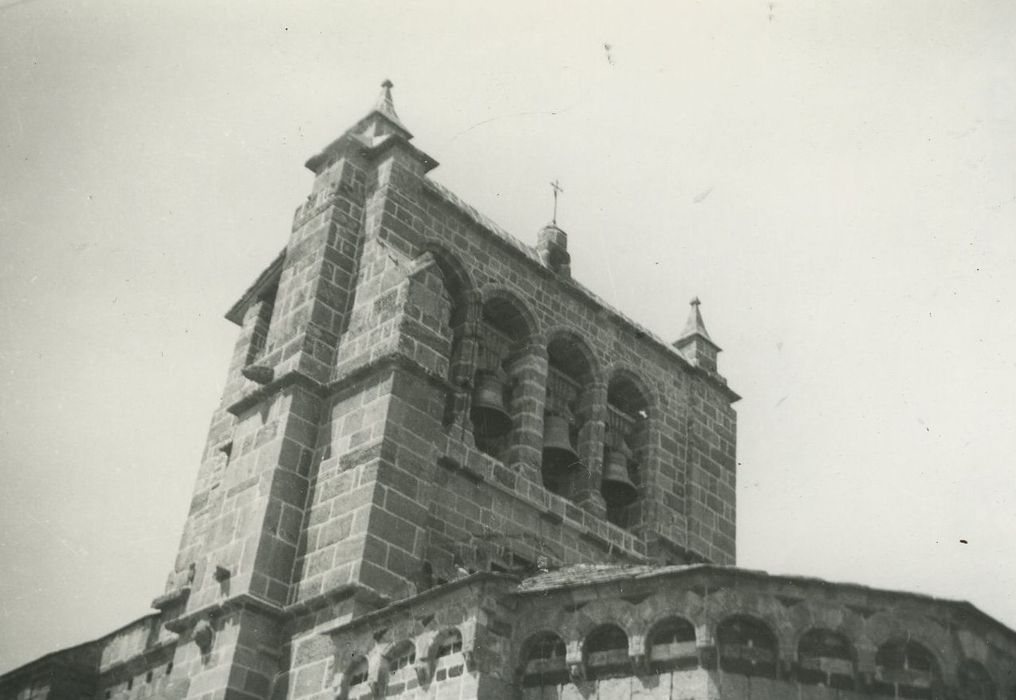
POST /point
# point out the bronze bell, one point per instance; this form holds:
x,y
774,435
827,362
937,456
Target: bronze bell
x,y
617,488
490,419
559,457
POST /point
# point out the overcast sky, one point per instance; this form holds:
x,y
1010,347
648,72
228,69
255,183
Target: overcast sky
x,y
835,180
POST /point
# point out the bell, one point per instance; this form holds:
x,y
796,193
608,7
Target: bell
x,y
490,419
617,488
559,457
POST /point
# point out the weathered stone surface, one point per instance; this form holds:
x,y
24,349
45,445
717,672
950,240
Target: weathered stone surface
x,y
362,516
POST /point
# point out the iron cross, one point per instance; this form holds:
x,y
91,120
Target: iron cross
x,y
557,190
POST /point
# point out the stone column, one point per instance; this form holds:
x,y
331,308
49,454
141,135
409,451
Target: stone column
x,y
593,417
462,372
527,374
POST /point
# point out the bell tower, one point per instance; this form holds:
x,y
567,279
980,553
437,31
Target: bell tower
x,y
415,396
293,504
443,468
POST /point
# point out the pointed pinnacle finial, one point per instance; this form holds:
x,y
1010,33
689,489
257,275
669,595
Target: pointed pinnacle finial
x,y
385,105
695,324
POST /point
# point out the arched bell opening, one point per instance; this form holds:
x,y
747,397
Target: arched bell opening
x,y
438,308
747,646
504,333
446,659
357,674
566,408
826,658
671,645
625,450
543,660
448,644
905,669
606,652
397,665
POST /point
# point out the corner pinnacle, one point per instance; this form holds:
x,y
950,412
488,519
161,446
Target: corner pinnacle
x,y
385,105
695,324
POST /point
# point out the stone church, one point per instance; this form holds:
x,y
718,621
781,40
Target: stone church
x,y
442,468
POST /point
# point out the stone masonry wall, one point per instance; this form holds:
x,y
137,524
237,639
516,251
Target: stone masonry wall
x,y
309,305
452,646
706,598
348,514
494,620
425,272
350,460
366,471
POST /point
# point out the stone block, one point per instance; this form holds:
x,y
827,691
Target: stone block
x,y
393,529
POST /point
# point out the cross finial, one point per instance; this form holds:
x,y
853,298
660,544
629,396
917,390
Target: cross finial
x,y
695,301
556,186
387,84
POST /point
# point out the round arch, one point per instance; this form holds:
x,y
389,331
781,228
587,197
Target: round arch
x,y
607,612
883,627
629,452
572,427
672,602
513,310
541,659
620,370
747,645
811,613
826,657
907,668
456,275
572,348
729,602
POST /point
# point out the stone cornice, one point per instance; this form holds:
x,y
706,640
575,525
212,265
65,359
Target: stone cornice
x,y
241,601
431,593
295,377
335,149
292,378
